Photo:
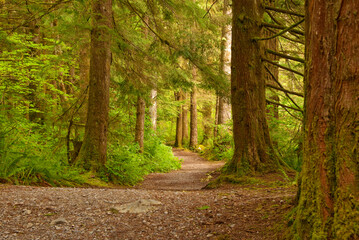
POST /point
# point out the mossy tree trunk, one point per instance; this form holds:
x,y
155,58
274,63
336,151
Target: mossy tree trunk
x,y
92,155
140,123
253,147
328,205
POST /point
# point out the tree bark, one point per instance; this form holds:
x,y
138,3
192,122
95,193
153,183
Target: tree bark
x,y
153,109
253,147
92,155
207,121
36,107
224,107
179,126
140,123
184,121
193,140
328,205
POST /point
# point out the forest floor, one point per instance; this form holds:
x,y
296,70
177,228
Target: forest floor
x,y
164,206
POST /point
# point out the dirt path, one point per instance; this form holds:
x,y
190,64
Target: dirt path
x,y
230,212
192,176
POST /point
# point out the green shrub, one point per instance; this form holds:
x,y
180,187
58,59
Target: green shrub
x,y
28,157
126,166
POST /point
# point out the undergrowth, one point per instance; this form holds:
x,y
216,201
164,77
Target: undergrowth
x,y
126,166
30,154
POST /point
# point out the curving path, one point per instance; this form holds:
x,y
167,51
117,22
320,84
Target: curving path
x,y
192,176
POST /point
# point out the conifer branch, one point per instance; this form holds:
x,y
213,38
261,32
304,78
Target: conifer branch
x,y
280,85
149,27
297,59
210,8
284,90
270,25
284,106
284,11
33,17
281,32
283,67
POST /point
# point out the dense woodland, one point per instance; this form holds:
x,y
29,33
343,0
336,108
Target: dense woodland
x,y
95,93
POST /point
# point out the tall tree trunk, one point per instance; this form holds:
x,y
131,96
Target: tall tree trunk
x,y
329,198
153,109
179,131
140,122
93,151
224,107
253,148
184,121
36,108
193,140
207,121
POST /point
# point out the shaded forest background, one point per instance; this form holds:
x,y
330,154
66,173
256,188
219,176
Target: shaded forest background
x,y
168,56
94,92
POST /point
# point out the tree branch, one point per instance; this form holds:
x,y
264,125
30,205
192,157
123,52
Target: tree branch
x,y
297,59
148,26
280,85
283,67
210,8
33,17
284,106
270,25
281,32
284,90
284,11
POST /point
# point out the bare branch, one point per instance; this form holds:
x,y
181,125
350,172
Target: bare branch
x,y
284,11
281,32
283,67
284,90
284,106
282,27
297,59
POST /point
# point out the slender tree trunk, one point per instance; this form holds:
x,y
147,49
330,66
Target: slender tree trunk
x,y
184,121
36,107
329,198
140,122
94,148
224,107
179,130
207,121
193,140
153,109
253,148
215,132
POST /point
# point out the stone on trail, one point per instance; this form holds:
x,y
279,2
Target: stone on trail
x,y
139,206
58,221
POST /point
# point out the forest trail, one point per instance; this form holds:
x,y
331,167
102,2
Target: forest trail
x,y
193,174
249,212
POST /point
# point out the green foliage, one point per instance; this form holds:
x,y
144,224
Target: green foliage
x,y
31,159
222,147
126,166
